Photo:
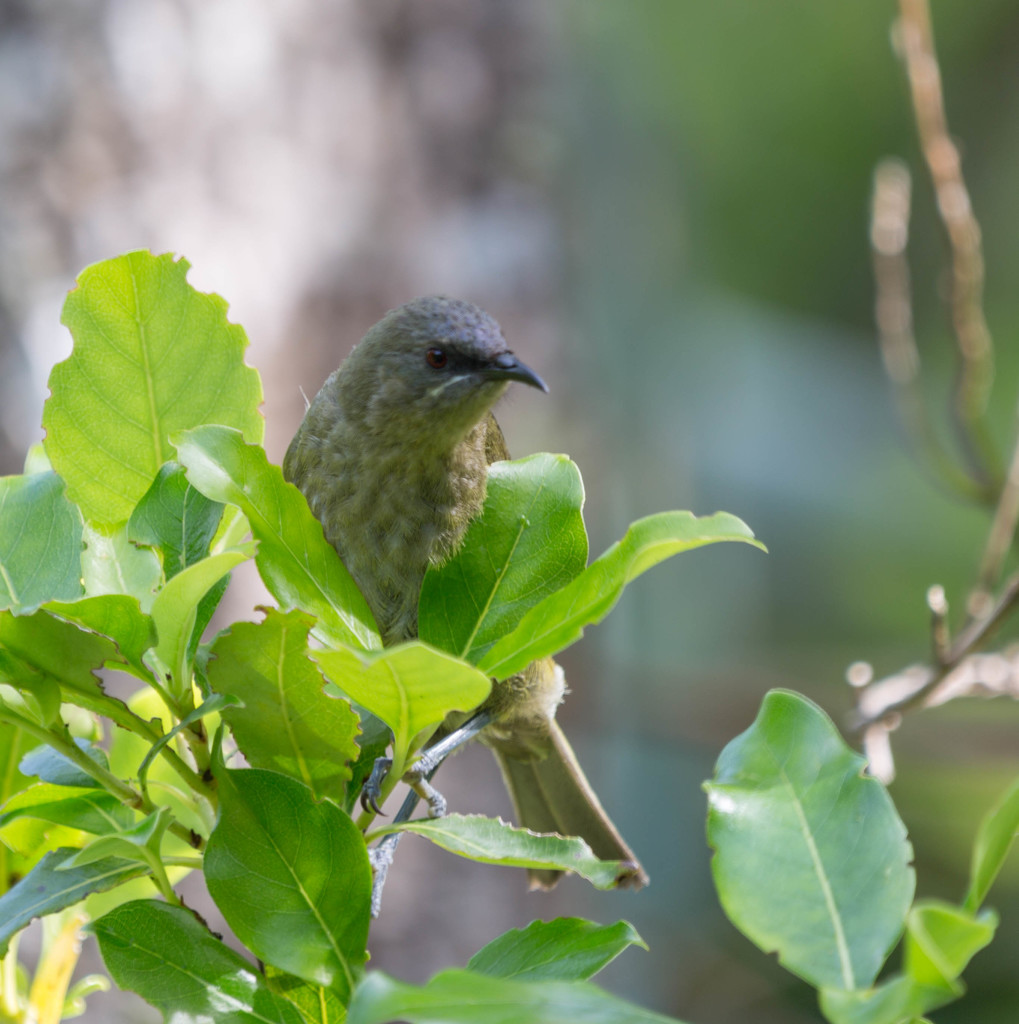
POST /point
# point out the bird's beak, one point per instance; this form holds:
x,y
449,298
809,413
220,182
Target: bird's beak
x,y
506,366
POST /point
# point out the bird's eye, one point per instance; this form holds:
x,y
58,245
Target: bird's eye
x,y
437,359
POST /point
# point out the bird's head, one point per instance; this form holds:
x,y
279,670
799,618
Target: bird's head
x,y
435,365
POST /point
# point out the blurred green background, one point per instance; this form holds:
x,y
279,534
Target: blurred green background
x,y
665,202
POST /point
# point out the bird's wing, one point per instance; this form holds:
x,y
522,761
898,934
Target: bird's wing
x,y
495,443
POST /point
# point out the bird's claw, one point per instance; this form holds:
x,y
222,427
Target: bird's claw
x,y
372,789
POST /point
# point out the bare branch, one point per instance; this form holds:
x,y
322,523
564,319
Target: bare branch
x,y
975,348
960,672
999,539
893,310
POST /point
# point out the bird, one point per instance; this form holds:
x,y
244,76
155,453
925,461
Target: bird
x,y
392,457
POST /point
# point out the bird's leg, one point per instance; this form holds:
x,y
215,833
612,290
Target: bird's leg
x,y
418,777
419,773
381,857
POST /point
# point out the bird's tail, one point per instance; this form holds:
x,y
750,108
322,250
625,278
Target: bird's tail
x,y
552,794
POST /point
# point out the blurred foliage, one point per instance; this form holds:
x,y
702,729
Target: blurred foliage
x,y
719,163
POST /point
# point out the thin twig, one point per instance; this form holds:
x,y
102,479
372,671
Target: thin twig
x,y
1000,539
975,348
921,682
893,311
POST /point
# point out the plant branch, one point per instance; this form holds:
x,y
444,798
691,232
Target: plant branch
x,y
975,348
893,312
999,539
917,685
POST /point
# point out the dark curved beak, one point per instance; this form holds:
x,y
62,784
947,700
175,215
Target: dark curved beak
x,y
506,366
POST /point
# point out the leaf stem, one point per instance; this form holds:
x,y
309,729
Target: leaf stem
x,y
127,795
120,714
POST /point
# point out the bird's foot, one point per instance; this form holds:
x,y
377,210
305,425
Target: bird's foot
x,y
372,789
417,778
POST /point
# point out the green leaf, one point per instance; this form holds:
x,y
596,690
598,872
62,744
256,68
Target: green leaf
x,y
896,1001
811,858
40,542
175,518
410,687
994,839
319,1005
47,889
51,766
116,616
111,564
299,566
492,841
38,694
940,941
14,744
36,460
91,810
172,961
151,356
204,613
285,722
560,619
463,997
528,543
566,949
59,649
291,876
140,842
175,609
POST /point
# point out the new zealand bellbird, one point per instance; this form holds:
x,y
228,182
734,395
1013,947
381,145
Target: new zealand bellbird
x,y
393,459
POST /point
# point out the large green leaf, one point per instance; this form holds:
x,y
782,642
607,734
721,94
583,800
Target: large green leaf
x,y
997,833
175,518
291,876
410,687
566,949
528,543
559,619
299,566
151,356
286,723
492,841
811,858
50,887
174,962
40,542
463,997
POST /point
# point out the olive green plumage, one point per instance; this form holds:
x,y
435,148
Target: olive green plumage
x,y
393,459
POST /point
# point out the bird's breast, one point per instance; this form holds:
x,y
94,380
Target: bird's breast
x,y
391,513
